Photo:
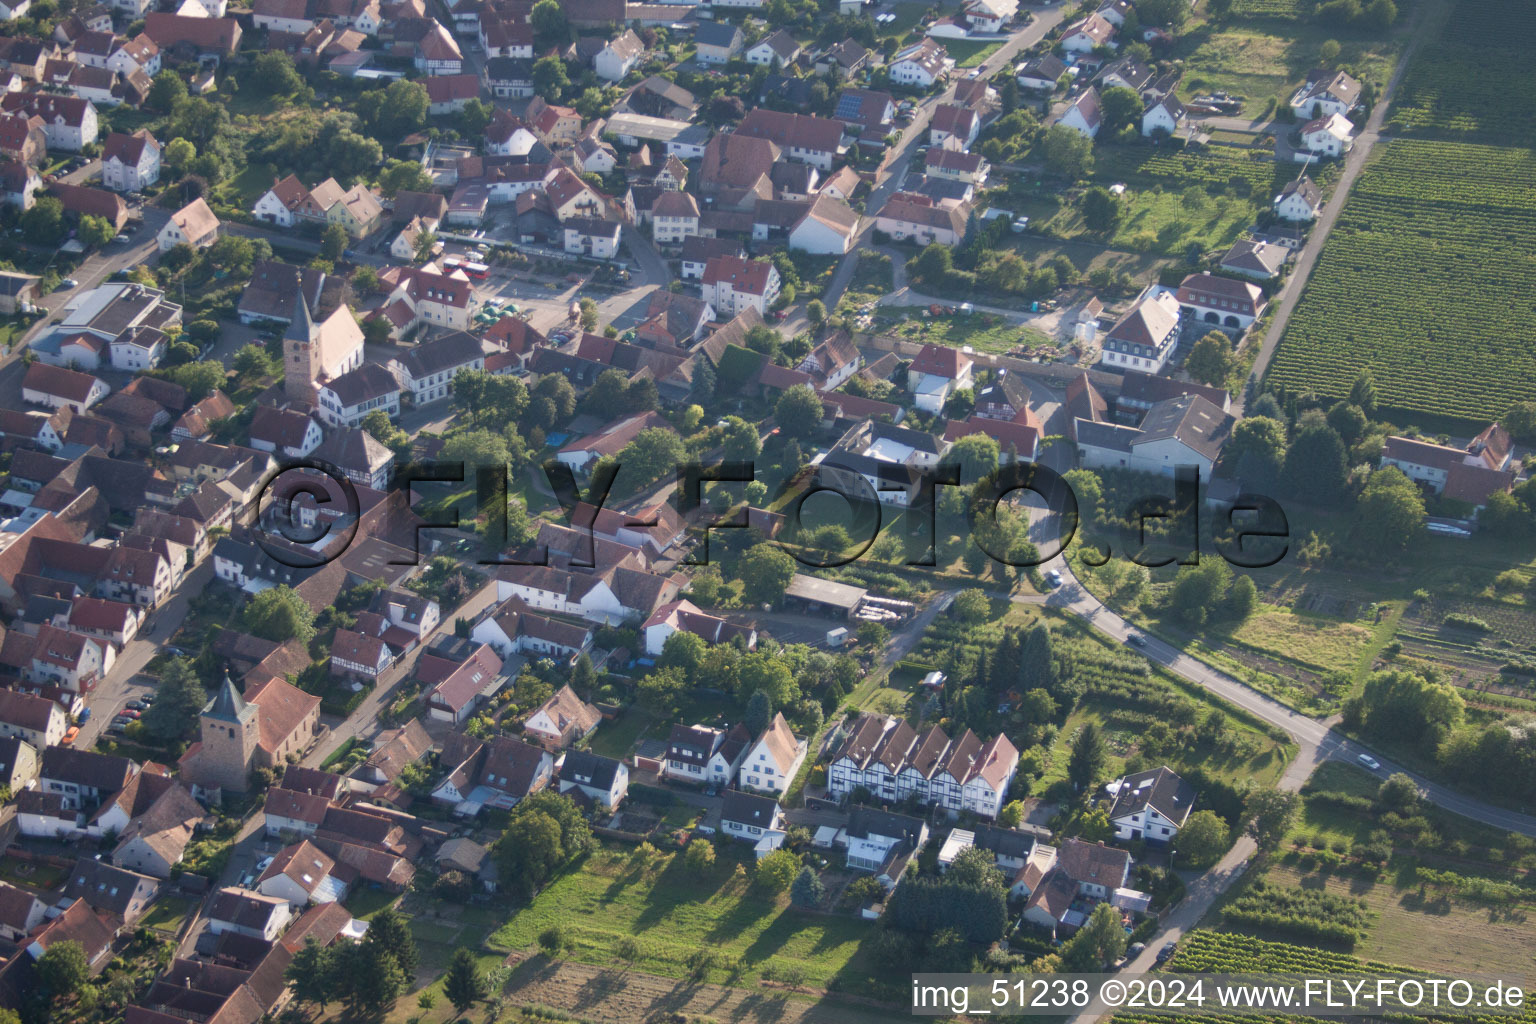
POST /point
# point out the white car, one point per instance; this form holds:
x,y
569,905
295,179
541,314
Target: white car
x,y
1370,762
1053,578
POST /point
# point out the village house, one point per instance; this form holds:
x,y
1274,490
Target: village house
x,y
562,720
130,163
193,224
1220,301
732,284
602,780
891,760
1151,805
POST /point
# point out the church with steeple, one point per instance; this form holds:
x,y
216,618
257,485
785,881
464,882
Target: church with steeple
x,y
315,352
264,727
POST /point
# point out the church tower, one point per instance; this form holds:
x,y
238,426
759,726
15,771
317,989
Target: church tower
x,y
301,360
229,733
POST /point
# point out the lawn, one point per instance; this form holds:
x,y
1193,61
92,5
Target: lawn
x,y
167,914
984,332
617,738
673,914
969,53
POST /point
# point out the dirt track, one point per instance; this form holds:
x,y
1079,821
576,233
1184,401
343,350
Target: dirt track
x,y
607,995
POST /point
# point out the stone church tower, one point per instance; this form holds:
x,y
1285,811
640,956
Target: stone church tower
x,y
301,364
230,729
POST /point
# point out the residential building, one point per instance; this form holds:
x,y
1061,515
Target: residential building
x,y
753,819
1184,431
130,163
733,284
772,762
1145,337
602,780
921,65
1329,137
1299,201
1150,806
1325,93
193,224
1220,301
562,720
892,761
716,42
426,372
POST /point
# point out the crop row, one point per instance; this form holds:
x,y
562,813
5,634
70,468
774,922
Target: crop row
x,y
1425,281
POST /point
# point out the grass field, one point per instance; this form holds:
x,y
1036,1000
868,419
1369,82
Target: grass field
x,y
984,332
673,913
1316,641
970,53
1264,55
1405,286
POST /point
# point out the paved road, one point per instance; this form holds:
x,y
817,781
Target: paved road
x,y
1353,164
364,722
120,684
915,135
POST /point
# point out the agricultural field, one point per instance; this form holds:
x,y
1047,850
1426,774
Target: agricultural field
x,y
1475,83
1425,281
672,914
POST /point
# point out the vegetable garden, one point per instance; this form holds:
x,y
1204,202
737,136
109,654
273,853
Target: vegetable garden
x,y
1425,280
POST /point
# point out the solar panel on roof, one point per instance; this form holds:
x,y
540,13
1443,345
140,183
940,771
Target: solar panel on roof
x,y
847,108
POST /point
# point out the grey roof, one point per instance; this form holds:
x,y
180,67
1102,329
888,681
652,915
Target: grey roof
x,y
1192,420
366,382
1048,66
1004,842
228,705
1111,436
1160,789
452,350
1256,257
104,886
869,821
597,771
748,809
716,33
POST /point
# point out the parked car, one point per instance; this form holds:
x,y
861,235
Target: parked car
x,y
1370,762
136,705
69,735
1167,951
68,282
147,699
115,729
85,714
1053,579
129,713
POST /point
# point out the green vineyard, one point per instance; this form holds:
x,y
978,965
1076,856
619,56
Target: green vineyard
x,y
1476,81
1426,281
1223,953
